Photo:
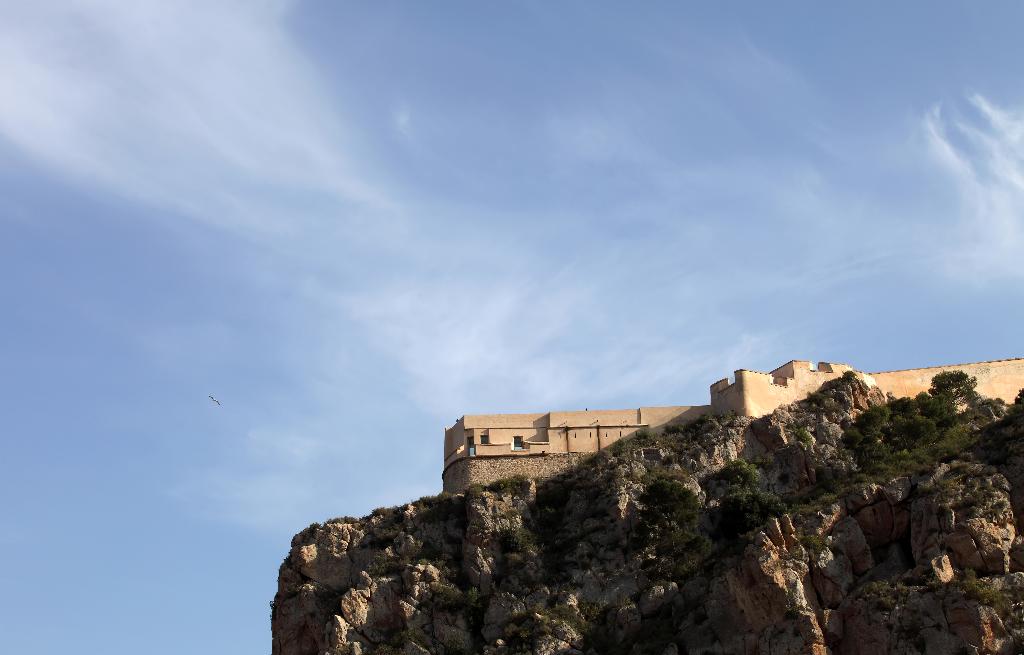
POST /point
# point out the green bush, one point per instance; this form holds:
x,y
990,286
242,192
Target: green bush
x,y
910,427
743,509
674,429
884,594
804,437
448,597
517,540
813,543
956,386
821,401
508,485
1019,400
984,592
668,527
739,472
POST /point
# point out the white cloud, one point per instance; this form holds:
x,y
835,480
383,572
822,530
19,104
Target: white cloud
x,y
206,108
984,156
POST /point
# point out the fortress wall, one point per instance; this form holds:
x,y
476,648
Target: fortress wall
x,y
504,436
727,397
454,440
591,417
657,417
996,379
483,470
755,393
504,420
583,440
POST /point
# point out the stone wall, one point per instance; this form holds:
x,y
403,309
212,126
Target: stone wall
x,y
461,473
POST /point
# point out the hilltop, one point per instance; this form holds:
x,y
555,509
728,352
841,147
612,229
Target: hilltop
x,y
847,522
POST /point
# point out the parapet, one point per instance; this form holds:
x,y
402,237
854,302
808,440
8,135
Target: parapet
x,y
755,393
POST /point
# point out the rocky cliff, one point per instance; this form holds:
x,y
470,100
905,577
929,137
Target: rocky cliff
x,y
845,523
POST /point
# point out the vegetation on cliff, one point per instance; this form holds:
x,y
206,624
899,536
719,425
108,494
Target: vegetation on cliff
x,y
846,523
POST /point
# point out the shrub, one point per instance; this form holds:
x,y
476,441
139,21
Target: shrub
x,y
523,629
342,519
448,597
668,526
516,540
984,592
910,427
813,543
804,437
382,565
639,439
508,485
744,509
476,608
673,429
821,401
883,594
703,424
739,472
1019,400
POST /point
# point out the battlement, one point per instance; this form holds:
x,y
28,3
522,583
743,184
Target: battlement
x,y
755,393
485,447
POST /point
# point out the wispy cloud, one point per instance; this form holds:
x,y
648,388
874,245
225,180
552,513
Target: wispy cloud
x,y
208,111
983,154
205,108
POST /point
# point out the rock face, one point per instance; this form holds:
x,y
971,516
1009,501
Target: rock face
x,y
638,551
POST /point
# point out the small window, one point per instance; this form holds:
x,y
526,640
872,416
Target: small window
x,y
517,443
485,440
471,446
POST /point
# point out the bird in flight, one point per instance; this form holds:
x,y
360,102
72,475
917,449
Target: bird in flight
x,y
214,400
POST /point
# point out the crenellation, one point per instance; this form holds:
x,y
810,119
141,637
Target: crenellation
x,y
486,447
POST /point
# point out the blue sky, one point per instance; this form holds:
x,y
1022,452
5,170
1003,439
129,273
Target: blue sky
x,y
353,223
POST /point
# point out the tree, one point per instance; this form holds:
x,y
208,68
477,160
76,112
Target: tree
x,y
668,525
956,386
1020,398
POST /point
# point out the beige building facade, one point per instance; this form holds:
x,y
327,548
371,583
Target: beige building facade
x,y
486,447
521,436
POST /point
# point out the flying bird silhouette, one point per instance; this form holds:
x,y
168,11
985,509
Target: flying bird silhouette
x,y
214,400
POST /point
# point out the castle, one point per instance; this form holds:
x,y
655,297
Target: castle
x,y
482,448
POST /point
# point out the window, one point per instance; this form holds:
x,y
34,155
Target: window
x,y
517,443
485,439
471,446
